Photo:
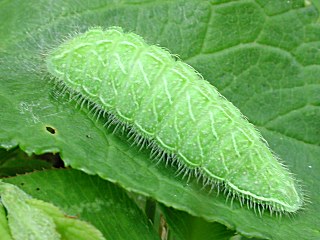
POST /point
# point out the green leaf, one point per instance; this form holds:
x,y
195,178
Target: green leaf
x,y
186,227
15,162
262,55
30,218
4,228
87,198
26,222
68,227
316,4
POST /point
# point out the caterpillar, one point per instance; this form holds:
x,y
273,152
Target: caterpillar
x,y
167,104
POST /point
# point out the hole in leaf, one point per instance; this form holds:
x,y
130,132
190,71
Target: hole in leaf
x,y
51,130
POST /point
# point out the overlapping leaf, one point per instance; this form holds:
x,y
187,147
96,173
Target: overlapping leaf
x,y
87,198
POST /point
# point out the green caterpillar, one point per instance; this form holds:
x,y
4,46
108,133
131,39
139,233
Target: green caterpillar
x,y
167,104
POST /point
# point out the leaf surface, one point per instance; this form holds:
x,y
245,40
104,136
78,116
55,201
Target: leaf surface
x,y
87,198
183,226
4,228
15,162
